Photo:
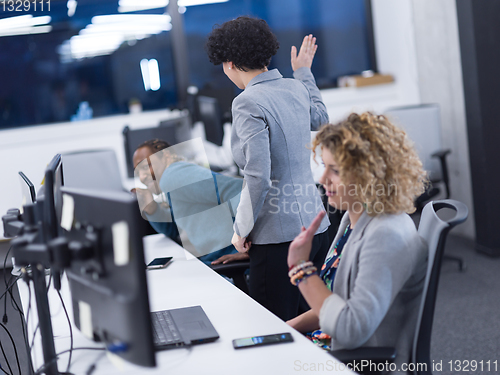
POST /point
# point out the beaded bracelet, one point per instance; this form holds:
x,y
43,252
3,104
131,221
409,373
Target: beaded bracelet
x,y
302,274
300,266
295,265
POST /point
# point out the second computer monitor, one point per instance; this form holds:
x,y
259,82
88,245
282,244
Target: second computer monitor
x,y
108,277
210,115
51,197
27,189
172,131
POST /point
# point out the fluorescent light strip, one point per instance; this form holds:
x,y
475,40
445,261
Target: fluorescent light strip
x,y
125,6
150,74
26,30
71,5
188,3
25,21
145,74
106,33
132,19
154,74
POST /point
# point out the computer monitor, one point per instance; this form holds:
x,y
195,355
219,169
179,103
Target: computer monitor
x,y
108,285
27,190
209,112
52,201
172,131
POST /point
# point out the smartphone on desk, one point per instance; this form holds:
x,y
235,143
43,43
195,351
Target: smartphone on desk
x,y
158,263
249,342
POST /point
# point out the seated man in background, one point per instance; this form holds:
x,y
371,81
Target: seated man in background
x,y
196,201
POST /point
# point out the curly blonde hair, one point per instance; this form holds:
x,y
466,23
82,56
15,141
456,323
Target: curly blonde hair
x,y
378,159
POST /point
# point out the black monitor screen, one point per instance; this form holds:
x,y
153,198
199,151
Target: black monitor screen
x,y
52,197
27,190
171,131
209,112
109,288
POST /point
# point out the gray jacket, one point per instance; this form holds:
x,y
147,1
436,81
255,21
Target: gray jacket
x,y
272,122
378,286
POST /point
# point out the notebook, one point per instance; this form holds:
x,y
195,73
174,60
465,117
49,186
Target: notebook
x,y
182,327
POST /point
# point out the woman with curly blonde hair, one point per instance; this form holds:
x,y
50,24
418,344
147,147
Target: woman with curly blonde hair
x,y
369,288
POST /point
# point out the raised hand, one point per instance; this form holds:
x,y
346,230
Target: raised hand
x,y
146,201
306,53
300,248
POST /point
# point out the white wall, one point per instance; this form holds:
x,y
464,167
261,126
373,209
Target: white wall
x,y
396,55
30,149
440,81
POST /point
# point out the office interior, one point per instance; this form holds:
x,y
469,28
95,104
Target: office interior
x,y
443,53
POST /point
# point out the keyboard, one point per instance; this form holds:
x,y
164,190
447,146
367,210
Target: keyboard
x,y
164,329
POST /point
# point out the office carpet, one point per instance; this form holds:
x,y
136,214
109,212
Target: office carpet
x,y
466,323
467,317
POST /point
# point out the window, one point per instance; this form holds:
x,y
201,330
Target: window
x,y
342,28
49,73
87,57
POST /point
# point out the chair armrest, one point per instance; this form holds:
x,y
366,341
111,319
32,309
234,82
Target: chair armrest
x,y
441,153
235,271
375,354
231,268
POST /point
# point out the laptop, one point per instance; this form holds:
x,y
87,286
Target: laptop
x,y
182,327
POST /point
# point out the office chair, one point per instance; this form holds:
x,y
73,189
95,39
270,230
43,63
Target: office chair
x,y
432,190
422,123
235,271
434,231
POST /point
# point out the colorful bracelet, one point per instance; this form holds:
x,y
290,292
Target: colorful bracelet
x,y
300,266
302,274
295,265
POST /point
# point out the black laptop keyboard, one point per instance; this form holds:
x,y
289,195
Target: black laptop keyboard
x,y
164,330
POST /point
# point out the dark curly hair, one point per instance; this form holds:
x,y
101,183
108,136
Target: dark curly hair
x,y
248,42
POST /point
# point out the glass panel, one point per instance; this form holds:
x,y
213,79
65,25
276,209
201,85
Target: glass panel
x,y
340,26
48,76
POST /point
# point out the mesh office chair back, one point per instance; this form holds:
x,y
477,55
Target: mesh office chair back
x,y
434,230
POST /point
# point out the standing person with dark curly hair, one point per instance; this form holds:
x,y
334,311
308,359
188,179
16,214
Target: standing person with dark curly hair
x,y
369,289
272,122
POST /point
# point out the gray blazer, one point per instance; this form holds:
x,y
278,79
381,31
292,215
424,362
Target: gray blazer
x,y
272,122
378,286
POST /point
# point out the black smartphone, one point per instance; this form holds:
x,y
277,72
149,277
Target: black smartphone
x,y
159,263
249,342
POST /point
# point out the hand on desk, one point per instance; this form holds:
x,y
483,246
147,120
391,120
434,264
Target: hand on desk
x,y
228,258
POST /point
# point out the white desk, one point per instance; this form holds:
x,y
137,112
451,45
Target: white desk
x,y
188,282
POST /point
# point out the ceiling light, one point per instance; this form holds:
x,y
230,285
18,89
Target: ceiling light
x,y
125,6
24,25
23,21
26,30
